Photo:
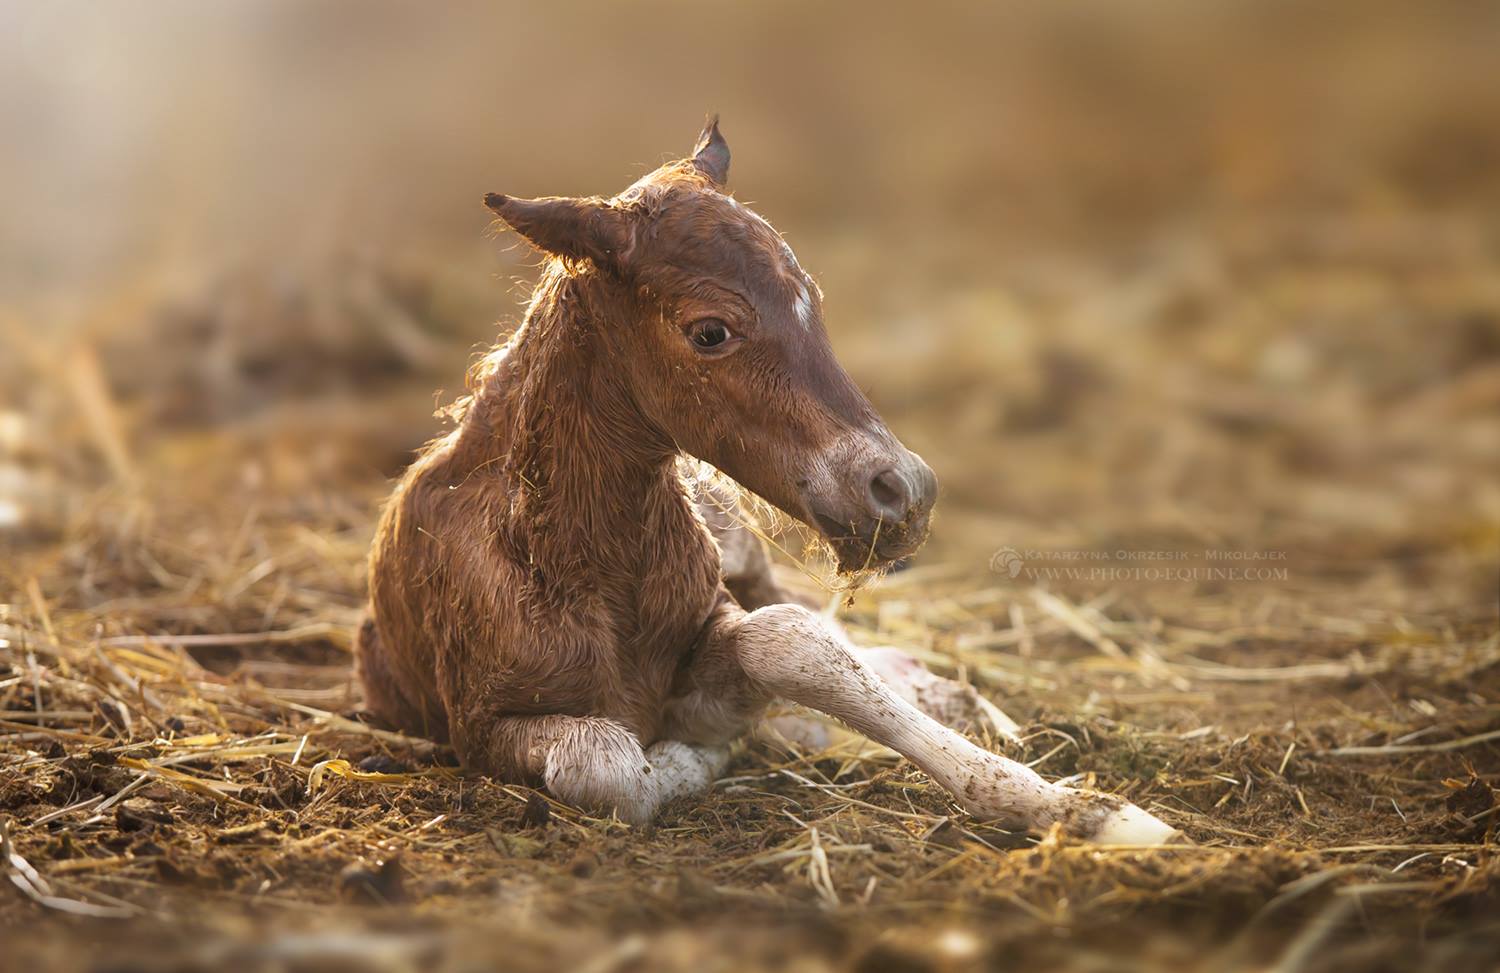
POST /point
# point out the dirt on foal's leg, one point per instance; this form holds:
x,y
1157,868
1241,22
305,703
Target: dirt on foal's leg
x,y
950,702
748,576
787,651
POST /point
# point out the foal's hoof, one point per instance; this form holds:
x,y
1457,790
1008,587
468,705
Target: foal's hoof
x,y
1129,825
808,732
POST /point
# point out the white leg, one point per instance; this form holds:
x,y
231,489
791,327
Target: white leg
x,y
598,765
948,701
788,651
680,769
807,730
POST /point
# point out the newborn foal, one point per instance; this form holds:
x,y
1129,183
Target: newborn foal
x,y
544,593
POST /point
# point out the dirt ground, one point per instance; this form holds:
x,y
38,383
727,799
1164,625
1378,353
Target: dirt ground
x,y
1295,661
1194,309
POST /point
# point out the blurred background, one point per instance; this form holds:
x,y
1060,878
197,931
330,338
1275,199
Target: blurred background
x,y
1162,272
1144,280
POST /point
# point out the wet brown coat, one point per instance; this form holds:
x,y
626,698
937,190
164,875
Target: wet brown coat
x,y
545,557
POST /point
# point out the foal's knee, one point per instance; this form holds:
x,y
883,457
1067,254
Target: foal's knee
x,y
788,650
597,764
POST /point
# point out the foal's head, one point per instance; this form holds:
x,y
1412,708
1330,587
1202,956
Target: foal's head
x,y
720,341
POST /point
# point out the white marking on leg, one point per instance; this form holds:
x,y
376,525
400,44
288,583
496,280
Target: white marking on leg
x,y
680,769
786,650
948,701
807,730
598,765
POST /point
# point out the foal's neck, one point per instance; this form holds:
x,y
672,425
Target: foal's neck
x,y
583,465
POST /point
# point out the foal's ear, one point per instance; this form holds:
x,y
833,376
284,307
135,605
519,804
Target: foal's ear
x,y
711,154
578,229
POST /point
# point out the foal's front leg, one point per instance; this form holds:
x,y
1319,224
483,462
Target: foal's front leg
x,y
599,765
950,702
746,566
787,651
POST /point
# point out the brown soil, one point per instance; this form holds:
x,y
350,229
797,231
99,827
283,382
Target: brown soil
x,y
187,783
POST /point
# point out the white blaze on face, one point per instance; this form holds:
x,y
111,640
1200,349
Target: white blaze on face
x,y
802,297
802,305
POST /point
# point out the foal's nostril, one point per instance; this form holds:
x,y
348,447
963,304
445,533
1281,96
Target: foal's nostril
x,y
889,496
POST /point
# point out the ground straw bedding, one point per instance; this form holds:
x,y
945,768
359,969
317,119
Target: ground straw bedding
x,y
186,781
199,789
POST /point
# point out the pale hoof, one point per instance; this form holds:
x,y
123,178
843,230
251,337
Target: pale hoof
x,y
1129,825
808,732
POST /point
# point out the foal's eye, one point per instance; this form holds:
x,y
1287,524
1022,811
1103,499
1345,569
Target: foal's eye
x,y
709,334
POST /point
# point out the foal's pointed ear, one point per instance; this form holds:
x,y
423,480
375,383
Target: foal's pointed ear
x,y
711,154
578,229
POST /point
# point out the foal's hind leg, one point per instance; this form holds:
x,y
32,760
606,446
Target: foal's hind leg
x,y
385,691
599,765
948,701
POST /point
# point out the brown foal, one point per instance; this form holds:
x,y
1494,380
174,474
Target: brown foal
x,y
553,597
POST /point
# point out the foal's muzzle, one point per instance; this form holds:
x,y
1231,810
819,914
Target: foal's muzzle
x,y
875,504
